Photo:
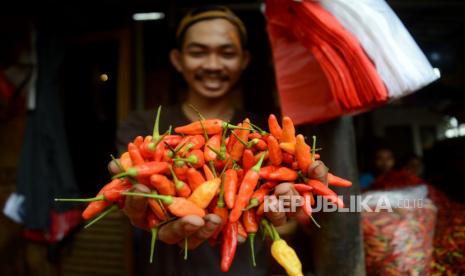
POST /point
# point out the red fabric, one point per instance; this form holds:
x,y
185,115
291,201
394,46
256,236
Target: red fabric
x,y
322,71
60,226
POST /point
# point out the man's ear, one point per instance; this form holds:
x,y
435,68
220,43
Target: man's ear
x,y
245,59
175,58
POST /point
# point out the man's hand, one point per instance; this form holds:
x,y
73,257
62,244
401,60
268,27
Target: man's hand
x,y
286,192
195,228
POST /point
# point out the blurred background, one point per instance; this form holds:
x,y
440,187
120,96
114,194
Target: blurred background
x,y
112,58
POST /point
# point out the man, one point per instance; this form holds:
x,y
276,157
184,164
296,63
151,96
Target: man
x,y
211,56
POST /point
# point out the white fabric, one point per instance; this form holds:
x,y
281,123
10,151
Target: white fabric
x,y
14,207
399,61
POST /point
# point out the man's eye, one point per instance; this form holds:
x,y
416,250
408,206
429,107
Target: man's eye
x,y
229,54
197,53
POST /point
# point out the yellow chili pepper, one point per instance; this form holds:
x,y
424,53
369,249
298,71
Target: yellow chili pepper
x,y
205,193
282,252
286,257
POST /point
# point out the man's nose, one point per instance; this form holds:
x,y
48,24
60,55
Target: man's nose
x,y
213,62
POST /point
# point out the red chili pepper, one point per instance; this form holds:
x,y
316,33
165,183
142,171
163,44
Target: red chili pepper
x,y
194,178
230,187
163,185
255,135
159,152
138,141
151,220
135,154
338,181
145,149
213,143
248,159
241,230
172,140
212,126
191,143
288,158
181,171
249,221
261,145
246,190
258,196
228,248
232,138
274,127
266,171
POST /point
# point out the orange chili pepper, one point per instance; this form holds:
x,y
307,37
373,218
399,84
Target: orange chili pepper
x,y
288,147
145,149
238,148
182,189
321,189
338,181
145,170
288,134
246,190
302,153
208,173
125,160
194,178
163,185
212,126
274,127
203,195
157,209
274,151
178,206
230,187
135,155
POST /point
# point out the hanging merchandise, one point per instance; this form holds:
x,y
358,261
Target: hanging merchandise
x,y
399,61
322,70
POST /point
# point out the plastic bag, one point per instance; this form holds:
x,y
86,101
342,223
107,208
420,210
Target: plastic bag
x,y
398,59
322,71
399,241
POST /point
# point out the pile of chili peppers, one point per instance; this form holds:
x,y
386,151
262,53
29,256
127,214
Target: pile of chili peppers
x,y
399,242
211,166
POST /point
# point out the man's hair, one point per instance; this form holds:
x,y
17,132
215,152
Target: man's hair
x,y
206,13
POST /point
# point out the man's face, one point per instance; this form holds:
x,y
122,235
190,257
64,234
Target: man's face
x,y
384,161
212,58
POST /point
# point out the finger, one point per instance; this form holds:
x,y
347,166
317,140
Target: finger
x,y
274,215
289,197
319,171
241,239
212,223
175,232
113,168
135,206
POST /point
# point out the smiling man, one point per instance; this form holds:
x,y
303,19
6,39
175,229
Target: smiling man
x,y
211,57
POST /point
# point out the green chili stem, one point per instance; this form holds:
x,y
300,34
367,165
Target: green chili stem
x,y
103,214
156,131
185,248
257,166
154,232
313,147
97,198
212,167
314,221
165,198
252,248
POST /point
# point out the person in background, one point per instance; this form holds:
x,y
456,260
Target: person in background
x,y
383,162
414,165
211,55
